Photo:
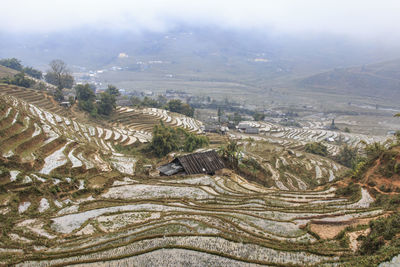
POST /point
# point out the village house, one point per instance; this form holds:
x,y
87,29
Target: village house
x,y
196,163
245,127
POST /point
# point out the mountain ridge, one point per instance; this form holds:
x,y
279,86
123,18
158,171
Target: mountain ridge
x,y
375,80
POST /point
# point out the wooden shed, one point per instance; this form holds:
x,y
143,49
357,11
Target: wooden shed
x,y
196,163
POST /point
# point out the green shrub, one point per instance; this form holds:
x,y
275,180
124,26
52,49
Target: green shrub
x,y
382,230
389,164
371,244
348,156
360,168
167,139
374,150
352,191
11,63
19,79
107,104
317,148
176,105
385,188
193,142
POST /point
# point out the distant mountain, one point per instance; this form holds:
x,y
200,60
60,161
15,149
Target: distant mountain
x,y
260,54
375,80
214,60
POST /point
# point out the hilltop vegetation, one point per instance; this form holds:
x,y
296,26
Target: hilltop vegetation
x,y
14,73
19,79
15,64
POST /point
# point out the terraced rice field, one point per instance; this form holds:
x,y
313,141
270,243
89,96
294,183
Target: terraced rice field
x,y
294,138
30,134
137,123
211,219
34,97
72,200
143,120
292,170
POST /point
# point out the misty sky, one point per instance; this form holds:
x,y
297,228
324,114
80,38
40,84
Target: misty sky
x,y
358,18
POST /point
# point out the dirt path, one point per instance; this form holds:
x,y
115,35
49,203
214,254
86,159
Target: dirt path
x,y
354,244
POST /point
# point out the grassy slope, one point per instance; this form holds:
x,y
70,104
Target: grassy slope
x,y
376,80
6,72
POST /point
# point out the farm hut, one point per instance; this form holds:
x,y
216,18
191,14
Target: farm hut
x,y
224,129
65,104
252,130
211,128
196,163
243,126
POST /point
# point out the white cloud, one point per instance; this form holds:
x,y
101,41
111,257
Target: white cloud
x,y
360,18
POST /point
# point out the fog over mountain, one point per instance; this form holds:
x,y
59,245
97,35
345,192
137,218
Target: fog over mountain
x,y
260,43
98,48
364,19
92,33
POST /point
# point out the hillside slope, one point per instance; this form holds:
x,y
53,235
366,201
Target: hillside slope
x,y
384,173
376,80
7,72
67,196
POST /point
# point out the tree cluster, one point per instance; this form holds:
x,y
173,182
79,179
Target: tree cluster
x,y
167,139
351,191
317,148
257,116
12,63
174,105
383,230
87,99
236,118
15,64
33,72
108,101
19,79
348,156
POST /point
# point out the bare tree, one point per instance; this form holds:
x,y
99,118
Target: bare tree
x,y
59,75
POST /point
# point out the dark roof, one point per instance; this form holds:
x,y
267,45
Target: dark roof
x,y
203,162
196,163
252,130
170,168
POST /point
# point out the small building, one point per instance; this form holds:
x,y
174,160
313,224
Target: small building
x,y
211,128
330,139
66,104
196,163
243,126
224,129
252,130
